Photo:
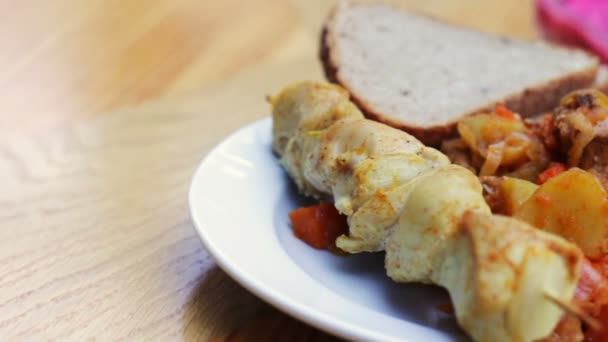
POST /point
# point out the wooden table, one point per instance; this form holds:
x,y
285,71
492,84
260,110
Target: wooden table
x,y
108,106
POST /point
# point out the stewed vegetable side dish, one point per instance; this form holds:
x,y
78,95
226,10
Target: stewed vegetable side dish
x,y
503,144
552,172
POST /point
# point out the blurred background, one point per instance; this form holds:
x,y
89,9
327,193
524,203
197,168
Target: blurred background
x,y
67,60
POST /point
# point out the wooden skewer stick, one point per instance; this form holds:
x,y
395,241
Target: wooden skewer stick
x,y
574,309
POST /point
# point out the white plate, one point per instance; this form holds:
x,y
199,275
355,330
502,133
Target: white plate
x,y
239,201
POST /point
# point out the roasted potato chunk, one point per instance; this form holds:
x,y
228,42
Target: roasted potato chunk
x,y
515,192
573,205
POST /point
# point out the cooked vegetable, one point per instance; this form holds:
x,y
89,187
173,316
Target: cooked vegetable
x,y
581,135
602,334
591,297
515,192
592,102
518,148
579,121
573,205
544,128
591,293
318,225
553,170
569,329
528,171
506,113
481,131
458,152
498,143
493,159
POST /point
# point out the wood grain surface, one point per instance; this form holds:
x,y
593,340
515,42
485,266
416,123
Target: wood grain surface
x,y
108,106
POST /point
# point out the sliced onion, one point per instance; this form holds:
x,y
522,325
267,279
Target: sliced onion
x,y
582,137
493,159
516,149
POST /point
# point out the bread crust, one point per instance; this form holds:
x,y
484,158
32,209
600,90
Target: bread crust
x,y
527,102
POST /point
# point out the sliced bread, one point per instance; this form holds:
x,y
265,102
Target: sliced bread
x,y
423,75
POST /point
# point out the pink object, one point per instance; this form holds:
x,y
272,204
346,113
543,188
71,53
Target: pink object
x,y
582,23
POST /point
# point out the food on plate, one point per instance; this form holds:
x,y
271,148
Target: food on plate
x,y
581,123
572,204
507,280
318,225
494,144
575,134
377,184
553,170
395,63
499,140
505,195
568,160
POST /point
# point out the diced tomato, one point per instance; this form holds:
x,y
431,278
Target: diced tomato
x,y
591,295
592,288
319,225
506,113
569,328
548,132
553,170
600,335
601,265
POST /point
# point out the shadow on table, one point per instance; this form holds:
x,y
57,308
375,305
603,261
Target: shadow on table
x,y
222,310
